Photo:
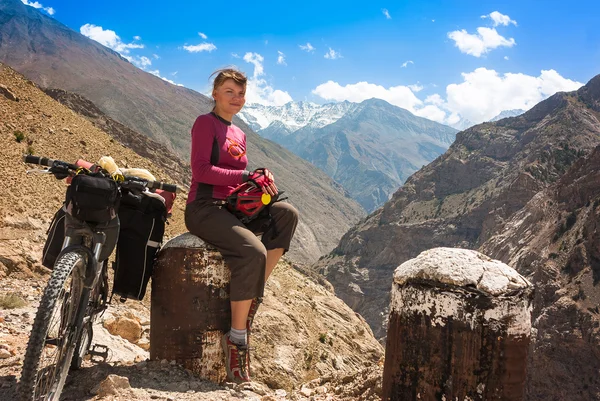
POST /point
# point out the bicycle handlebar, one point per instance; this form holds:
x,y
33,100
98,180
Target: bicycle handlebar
x,y
44,161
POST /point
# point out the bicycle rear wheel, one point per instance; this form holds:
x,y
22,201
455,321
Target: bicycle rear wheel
x,y
52,341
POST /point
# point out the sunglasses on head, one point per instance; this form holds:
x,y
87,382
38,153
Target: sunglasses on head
x,y
235,149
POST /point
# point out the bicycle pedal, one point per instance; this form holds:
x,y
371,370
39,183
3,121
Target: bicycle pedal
x,y
98,350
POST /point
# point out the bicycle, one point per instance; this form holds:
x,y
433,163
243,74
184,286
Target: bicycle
x,y
77,292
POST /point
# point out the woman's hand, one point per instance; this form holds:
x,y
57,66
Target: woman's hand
x,y
264,179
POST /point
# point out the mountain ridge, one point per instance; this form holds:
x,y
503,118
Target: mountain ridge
x,y
370,149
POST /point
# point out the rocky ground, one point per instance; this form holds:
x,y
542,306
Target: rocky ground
x,y
128,374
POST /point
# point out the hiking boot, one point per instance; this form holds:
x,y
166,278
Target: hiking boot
x,y
236,360
251,313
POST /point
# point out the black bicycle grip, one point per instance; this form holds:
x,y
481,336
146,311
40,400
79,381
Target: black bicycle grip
x,y
42,161
163,186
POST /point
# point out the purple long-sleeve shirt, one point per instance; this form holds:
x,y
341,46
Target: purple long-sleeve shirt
x,y
218,158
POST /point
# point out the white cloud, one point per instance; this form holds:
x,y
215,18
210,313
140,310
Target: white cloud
x,y
485,40
139,61
406,63
307,47
156,56
485,93
416,87
108,38
38,5
202,47
137,37
386,13
400,96
174,73
505,57
432,20
434,99
482,95
235,55
332,54
258,89
257,60
500,19
281,58
202,35
157,73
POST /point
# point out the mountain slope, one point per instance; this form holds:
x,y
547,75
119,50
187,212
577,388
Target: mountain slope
x,y
371,149
54,56
461,199
555,240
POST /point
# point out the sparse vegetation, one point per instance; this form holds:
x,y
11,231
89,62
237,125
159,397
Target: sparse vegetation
x,y
323,337
571,220
11,301
19,136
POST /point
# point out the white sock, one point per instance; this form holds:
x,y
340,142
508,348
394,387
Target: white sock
x,y
238,337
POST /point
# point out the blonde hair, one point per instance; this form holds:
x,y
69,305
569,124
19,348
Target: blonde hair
x,y
224,74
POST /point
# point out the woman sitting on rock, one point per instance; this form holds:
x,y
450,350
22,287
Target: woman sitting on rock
x,y
218,161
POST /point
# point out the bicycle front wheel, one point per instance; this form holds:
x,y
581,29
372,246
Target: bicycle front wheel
x,y
52,341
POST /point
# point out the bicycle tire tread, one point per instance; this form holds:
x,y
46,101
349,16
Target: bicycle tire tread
x,y
62,270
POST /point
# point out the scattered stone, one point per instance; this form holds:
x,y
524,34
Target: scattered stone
x,y
7,93
128,328
29,117
306,391
111,386
4,353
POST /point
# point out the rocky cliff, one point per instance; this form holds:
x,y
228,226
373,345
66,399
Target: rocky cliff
x,y
555,240
464,197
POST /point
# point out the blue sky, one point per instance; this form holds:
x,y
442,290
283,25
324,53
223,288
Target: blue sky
x,y
444,60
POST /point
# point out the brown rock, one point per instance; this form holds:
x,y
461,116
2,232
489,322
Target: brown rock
x,y
112,385
144,343
129,329
7,93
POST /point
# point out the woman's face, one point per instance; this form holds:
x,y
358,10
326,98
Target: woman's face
x,y
230,97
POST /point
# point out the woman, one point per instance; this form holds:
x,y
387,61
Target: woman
x,y
218,161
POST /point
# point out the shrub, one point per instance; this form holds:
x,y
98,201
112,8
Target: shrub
x,y
571,220
11,301
19,136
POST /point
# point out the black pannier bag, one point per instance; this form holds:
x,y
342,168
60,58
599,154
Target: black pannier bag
x,y
93,198
143,220
56,237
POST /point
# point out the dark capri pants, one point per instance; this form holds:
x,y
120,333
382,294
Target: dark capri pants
x,y
244,253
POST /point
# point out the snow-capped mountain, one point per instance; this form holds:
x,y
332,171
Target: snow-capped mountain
x,y
293,115
370,148
508,113
462,124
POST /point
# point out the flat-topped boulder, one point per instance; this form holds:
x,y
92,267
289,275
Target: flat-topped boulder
x,y
190,307
459,326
